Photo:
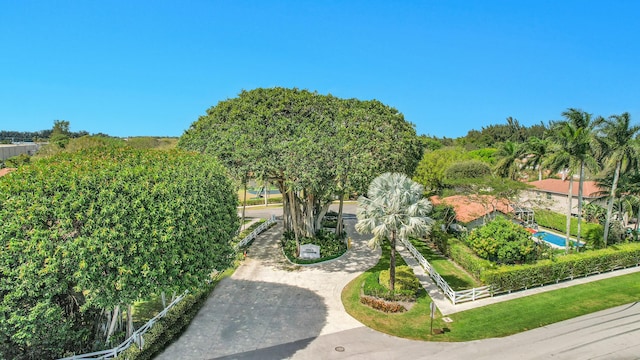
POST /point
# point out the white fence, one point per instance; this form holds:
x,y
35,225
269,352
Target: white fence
x,y
247,239
137,338
455,296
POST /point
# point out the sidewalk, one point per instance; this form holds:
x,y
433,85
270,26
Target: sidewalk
x,y
446,307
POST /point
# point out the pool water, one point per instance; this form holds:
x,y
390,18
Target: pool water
x,y
552,238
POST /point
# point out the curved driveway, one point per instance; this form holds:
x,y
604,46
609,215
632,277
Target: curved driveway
x,y
271,309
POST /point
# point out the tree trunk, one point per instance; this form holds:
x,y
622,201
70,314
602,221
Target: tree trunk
x,y
392,262
566,241
129,321
580,204
309,221
339,225
266,192
244,201
294,218
614,185
539,173
114,320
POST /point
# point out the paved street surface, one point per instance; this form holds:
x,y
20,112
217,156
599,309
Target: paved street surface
x,y
271,309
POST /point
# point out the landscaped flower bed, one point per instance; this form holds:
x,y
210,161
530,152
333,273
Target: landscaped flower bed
x,y
331,246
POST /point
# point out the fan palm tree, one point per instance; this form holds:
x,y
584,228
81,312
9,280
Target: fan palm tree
x,y
393,208
622,154
574,150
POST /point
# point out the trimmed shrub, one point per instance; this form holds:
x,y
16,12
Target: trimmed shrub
x,y
509,278
558,222
382,305
405,279
373,287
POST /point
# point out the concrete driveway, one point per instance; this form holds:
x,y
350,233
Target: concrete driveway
x,y
271,309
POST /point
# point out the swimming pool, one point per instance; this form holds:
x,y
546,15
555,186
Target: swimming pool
x,y
552,238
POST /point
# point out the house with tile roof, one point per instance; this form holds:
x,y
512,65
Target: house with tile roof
x,y
553,194
474,210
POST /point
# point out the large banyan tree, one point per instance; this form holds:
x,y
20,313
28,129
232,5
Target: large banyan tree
x,y
315,147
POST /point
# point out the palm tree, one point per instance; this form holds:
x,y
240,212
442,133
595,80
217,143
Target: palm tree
x,y
574,150
536,151
393,207
507,165
622,154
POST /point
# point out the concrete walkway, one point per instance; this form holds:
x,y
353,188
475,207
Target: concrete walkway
x,y
271,309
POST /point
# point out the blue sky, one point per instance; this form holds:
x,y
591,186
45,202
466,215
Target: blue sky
x,y
130,68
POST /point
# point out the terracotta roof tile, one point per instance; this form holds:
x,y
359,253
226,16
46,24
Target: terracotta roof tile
x,y
5,171
469,208
558,186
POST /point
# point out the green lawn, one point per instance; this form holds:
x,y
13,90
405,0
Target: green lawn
x,y
453,274
495,320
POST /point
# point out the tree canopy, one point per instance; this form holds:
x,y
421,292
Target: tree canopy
x,y
91,230
312,146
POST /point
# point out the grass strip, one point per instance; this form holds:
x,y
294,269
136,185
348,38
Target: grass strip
x,y
455,276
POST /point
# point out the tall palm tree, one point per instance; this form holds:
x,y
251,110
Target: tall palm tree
x,y
393,207
575,144
622,154
508,154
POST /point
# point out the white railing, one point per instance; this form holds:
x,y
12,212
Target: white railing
x,y
455,296
137,338
247,239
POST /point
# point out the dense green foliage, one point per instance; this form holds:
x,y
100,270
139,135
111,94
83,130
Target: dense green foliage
x,y
507,278
504,242
467,170
431,169
311,146
94,229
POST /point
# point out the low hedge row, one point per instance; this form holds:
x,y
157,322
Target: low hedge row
x,y
558,222
466,258
516,277
260,201
169,327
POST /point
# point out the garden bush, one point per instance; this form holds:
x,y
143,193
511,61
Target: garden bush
x,y
382,305
372,287
504,242
405,279
508,278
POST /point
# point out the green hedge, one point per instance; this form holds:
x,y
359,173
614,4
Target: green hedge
x,y
516,277
260,201
558,222
465,257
